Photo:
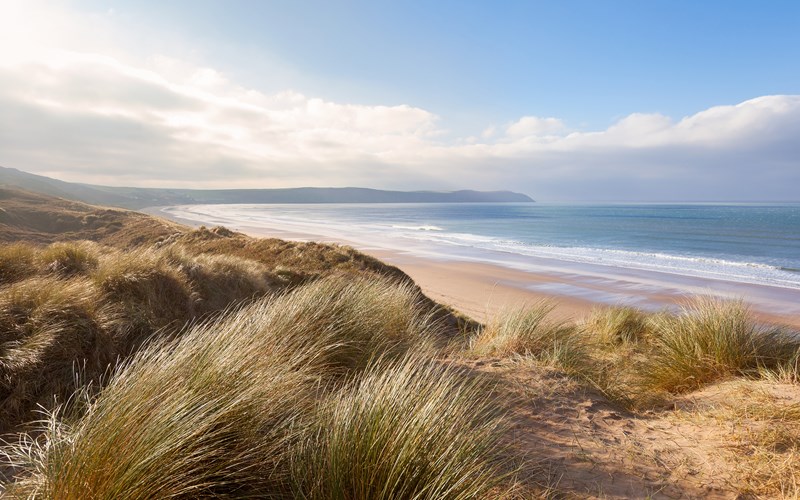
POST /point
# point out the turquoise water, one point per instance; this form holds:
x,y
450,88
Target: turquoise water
x,y
757,244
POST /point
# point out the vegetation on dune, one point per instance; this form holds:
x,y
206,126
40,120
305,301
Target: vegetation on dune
x,y
368,318
80,306
637,359
408,429
712,339
211,414
68,259
16,262
49,328
234,407
617,325
41,219
530,331
296,262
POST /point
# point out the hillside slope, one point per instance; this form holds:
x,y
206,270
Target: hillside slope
x,y
38,218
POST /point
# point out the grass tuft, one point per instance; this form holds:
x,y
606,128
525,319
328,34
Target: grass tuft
x,y
48,329
148,294
227,408
409,429
617,325
221,280
17,262
530,332
369,318
710,340
68,259
210,414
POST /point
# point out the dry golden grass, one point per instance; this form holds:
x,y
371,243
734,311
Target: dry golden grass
x,y
49,329
128,296
663,354
41,219
758,429
148,295
68,259
235,408
294,261
369,318
17,262
711,340
408,429
617,325
529,331
211,414
221,280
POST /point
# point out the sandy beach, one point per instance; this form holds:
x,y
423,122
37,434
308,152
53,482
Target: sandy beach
x,y
481,289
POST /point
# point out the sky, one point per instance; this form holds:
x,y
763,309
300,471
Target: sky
x,y
563,100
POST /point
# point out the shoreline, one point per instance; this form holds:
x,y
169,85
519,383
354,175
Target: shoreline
x,y
481,289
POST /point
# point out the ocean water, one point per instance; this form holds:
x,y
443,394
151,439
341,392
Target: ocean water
x,y
746,243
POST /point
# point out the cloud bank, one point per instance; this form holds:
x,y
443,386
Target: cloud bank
x,y
87,117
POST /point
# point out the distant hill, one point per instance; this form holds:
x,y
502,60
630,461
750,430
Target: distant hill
x,y
39,218
135,198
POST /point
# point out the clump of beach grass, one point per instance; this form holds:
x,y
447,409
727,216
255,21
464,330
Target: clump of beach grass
x,y
712,339
370,317
617,325
17,262
150,295
530,331
210,414
229,407
412,428
48,329
68,259
221,280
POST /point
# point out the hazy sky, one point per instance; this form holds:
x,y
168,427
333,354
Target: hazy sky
x,y
562,100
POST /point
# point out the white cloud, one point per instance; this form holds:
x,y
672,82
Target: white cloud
x,y
105,118
533,125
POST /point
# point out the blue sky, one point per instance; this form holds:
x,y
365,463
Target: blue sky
x,y
579,99
587,62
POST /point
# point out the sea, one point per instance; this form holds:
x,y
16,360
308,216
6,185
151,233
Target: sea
x,y
752,244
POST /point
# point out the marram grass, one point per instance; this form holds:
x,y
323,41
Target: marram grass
x,y
49,328
247,405
412,428
68,259
17,262
211,414
712,339
617,325
530,331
